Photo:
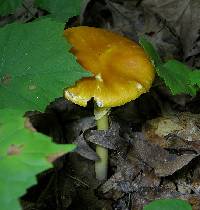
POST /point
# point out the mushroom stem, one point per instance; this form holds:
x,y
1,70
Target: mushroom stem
x,y
101,165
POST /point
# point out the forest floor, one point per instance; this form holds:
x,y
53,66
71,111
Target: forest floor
x,y
153,142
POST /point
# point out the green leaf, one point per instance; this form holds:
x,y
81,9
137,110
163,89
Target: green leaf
x,y
23,154
195,77
150,51
62,9
35,65
176,76
168,204
9,6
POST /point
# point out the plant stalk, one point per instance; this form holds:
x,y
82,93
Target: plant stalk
x,y
101,165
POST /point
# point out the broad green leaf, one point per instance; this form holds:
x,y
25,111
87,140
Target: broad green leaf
x,y
23,154
176,76
62,9
150,51
168,204
9,6
195,77
35,65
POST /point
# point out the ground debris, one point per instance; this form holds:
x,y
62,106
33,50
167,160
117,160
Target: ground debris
x,y
75,132
180,132
163,163
184,21
148,172
109,139
83,133
84,149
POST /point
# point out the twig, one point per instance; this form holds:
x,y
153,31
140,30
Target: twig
x,y
76,179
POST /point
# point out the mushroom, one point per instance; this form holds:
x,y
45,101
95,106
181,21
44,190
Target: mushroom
x,y
121,73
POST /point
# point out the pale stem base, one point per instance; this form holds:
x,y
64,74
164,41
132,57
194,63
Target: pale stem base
x,y
101,165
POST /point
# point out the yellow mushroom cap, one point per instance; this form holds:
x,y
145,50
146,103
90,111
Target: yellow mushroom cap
x,y
122,71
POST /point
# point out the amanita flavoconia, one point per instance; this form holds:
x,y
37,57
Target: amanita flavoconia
x,y
122,72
